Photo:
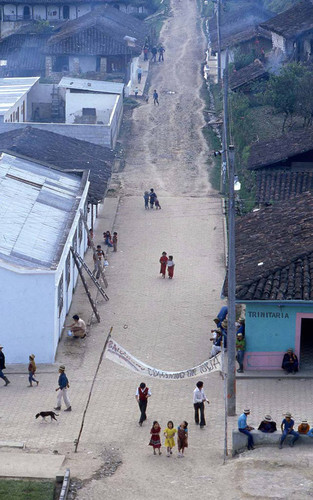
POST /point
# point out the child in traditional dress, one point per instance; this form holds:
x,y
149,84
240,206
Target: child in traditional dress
x,y
115,241
155,440
182,438
170,266
163,262
169,433
157,204
32,370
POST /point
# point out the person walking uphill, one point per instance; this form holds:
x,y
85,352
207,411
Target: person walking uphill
x,y
199,399
63,386
244,428
170,267
155,98
142,395
32,370
2,367
163,262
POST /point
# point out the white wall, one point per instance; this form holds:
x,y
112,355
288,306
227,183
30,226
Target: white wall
x,y
27,313
40,12
278,42
103,103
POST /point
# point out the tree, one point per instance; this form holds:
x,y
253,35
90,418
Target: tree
x,y
304,105
282,91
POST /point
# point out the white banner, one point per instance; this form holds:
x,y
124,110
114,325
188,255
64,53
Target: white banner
x,y
119,355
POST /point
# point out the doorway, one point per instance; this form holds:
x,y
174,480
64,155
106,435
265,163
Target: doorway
x,y
306,344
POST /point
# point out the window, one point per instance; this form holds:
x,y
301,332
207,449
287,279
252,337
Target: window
x,y
80,230
60,63
89,111
74,245
3,62
66,12
68,269
60,295
26,12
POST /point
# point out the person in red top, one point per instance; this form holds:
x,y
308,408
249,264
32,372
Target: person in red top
x,y
142,395
163,262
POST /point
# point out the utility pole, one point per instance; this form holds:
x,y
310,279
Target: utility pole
x,y
225,126
231,317
218,23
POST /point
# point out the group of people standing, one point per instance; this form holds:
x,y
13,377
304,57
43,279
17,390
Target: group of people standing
x,y
151,199
143,394
167,262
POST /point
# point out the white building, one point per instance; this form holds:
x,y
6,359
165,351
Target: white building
x,y
14,95
94,102
39,222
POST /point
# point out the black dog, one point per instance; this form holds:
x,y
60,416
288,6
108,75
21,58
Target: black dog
x,y
45,414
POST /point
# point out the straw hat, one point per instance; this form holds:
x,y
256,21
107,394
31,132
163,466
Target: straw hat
x,y
247,410
62,367
304,421
268,418
1,346
288,414
32,356
239,334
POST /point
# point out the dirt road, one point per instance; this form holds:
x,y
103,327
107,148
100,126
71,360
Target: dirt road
x,y
167,150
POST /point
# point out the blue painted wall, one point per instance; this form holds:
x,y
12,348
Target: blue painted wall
x,y
272,328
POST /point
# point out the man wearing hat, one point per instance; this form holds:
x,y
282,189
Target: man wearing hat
x,y
217,342
63,386
267,425
304,427
287,429
244,428
240,351
2,367
290,362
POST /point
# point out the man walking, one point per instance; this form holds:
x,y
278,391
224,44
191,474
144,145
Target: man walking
x,y
2,367
155,98
142,395
287,430
199,399
244,428
63,386
154,52
97,258
139,74
161,53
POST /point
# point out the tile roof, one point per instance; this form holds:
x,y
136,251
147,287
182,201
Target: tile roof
x,y
248,74
56,2
37,208
238,37
65,153
292,22
280,184
274,252
280,148
244,20
100,32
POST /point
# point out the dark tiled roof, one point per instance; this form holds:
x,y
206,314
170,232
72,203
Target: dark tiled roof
x,y
236,38
279,237
100,32
243,20
23,52
63,152
294,21
247,74
279,149
281,184
56,2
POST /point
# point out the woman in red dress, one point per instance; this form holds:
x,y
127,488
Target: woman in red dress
x,y
163,262
155,440
170,266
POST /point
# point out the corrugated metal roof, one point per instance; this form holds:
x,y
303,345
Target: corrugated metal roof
x,y
37,206
12,89
92,85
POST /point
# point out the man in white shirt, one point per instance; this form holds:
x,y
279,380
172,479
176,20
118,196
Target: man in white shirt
x,y
142,394
199,399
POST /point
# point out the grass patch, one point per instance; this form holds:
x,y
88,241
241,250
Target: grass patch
x,y
26,490
130,103
214,163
